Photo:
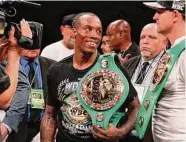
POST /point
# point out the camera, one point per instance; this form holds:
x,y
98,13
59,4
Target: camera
x,y
7,9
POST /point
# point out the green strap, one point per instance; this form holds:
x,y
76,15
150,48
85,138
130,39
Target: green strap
x,y
152,95
109,113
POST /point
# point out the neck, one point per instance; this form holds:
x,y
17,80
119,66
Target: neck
x,y
125,45
177,32
67,46
83,60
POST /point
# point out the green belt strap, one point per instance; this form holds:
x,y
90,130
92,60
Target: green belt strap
x,y
152,95
110,115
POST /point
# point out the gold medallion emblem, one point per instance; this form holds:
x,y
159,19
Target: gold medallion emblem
x,y
161,70
101,90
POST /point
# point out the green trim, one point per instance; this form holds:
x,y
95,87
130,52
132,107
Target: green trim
x,y
108,114
152,95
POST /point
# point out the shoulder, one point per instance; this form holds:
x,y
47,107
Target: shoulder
x,y
62,64
53,46
132,60
45,59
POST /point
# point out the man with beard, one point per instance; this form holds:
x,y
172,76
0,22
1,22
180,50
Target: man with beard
x,y
63,79
119,33
141,68
63,48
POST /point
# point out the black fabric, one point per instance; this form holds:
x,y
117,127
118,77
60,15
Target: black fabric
x,y
133,50
131,65
62,79
31,75
142,73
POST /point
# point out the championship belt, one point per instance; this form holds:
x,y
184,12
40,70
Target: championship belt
x,y
103,90
160,77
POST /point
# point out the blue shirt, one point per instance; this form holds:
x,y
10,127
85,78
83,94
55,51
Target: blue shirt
x,y
26,68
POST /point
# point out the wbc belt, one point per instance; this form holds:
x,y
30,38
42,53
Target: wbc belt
x,y
162,72
103,90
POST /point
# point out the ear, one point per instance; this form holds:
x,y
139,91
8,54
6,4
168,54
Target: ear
x,y
121,34
62,29
176,14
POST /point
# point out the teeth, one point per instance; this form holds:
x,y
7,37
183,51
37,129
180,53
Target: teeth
x,y
92,43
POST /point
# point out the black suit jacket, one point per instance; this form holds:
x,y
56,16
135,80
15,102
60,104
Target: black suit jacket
x,y
132,64
45,63
133,50
20,136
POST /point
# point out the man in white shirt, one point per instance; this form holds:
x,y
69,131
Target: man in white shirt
x,y
152,46
65,47
168,119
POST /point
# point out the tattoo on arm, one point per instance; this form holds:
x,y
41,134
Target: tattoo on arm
x,y
48,124
133,111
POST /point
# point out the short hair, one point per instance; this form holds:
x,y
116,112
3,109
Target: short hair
x,y
183,16
68,19
75,22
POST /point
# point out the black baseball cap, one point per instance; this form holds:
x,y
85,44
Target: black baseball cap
x,y
68,19
171,5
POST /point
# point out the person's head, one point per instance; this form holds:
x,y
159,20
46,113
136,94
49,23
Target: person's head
x,y
105,46
169,16
88,32
34,51
119,32
67,31
151,42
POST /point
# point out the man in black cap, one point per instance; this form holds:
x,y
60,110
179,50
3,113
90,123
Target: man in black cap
x,y
65,47
168,117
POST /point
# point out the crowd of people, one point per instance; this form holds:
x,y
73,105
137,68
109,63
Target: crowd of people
x,y
45,100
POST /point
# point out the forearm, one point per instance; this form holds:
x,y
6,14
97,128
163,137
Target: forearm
x,y
11,70
130,123
48,128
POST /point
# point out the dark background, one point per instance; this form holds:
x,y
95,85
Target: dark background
x,y
51,12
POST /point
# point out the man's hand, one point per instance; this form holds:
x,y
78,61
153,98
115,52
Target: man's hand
x,y
25,29
111,134
4,131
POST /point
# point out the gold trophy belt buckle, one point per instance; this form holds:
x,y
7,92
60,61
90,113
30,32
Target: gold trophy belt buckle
x,y
101,90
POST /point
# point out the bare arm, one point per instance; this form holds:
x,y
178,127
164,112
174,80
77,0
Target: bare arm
x,y
133,111
12,67
113,133
48,124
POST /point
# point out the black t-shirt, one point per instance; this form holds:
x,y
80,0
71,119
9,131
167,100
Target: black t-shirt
x,y
74,122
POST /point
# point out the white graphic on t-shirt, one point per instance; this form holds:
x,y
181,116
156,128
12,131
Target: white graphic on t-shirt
x,y
74,119
66,88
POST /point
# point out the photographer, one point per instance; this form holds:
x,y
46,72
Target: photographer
x,y
10,51
15,98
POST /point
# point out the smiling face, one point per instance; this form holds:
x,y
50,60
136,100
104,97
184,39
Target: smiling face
x,y
88,33
151,42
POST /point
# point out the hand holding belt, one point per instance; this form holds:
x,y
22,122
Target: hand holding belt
x,y
103,90
161,75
